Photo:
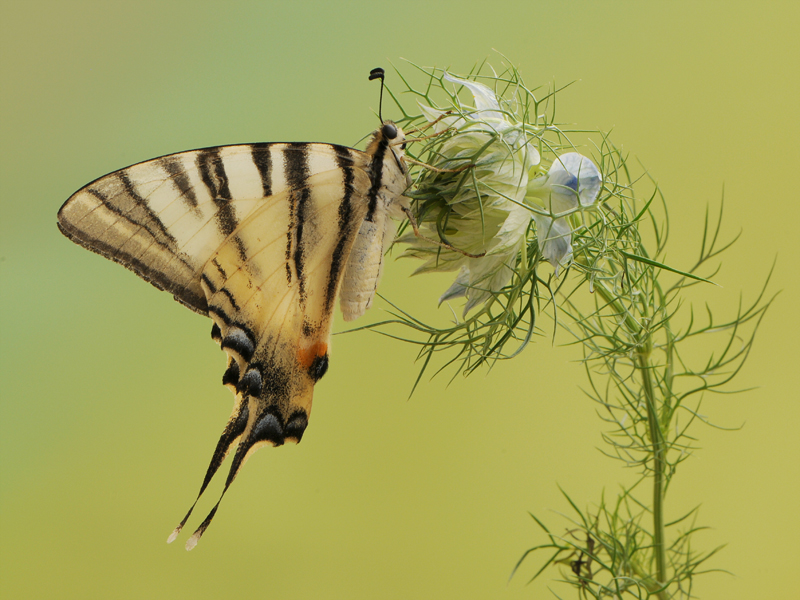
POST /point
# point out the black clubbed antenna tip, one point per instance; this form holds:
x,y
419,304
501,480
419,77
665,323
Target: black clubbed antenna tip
x,y
378,73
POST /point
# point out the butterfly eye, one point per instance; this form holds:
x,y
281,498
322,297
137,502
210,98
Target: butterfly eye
x,y
389,131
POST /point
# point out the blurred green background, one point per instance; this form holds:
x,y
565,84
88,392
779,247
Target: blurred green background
x,y
111,401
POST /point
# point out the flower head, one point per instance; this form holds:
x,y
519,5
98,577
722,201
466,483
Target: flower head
x,y
480,209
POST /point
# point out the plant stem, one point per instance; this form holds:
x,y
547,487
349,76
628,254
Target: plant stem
x,y
640,332
659,468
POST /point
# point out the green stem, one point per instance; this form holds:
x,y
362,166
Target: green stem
x,y
659,472
639,332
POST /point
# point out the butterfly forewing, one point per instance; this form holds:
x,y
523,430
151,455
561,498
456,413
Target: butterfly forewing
x,y
163,218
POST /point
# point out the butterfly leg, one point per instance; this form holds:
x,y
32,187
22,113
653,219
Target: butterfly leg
x,y
437,169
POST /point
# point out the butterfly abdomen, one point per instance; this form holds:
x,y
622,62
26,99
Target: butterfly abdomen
x,y
363,268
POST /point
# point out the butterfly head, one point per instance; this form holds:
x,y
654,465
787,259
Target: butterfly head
x,y
389,143
393,135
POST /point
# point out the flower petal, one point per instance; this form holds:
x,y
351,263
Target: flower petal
x,y
555,240
554,193
459,287
432,114
513,229
485,100
481,291
578,173
485,213
572,177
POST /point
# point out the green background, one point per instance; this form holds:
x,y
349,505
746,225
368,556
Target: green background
x,y
111,401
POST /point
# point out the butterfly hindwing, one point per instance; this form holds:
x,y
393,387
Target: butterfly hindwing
x,y
272,313
259,237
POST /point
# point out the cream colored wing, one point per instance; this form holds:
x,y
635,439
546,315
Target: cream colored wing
x,y
273,312
257,238
165,217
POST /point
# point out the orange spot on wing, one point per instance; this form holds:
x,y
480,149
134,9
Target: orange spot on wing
x,y
307,354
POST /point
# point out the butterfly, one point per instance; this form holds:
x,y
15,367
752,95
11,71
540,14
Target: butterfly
x,y
261,238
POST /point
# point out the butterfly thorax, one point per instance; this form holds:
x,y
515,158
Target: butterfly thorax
x,y
389,179
388,170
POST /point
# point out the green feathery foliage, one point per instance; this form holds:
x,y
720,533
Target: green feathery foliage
x,y
606,284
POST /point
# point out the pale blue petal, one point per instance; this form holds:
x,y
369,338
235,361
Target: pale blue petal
x,y
579,174
555,240
571,177
555,190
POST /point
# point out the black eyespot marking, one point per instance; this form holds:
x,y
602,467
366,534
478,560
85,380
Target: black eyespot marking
x,y
238,341
318,367
231,375
297,425
216,334
250,383
268,428
389,131
403,146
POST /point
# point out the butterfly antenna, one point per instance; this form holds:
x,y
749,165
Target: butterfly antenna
x,y
378,73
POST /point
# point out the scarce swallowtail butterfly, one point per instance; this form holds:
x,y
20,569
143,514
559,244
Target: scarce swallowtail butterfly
x,y
261,238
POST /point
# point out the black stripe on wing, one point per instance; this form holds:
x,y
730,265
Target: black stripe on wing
x,y
144,220
142,203
344,160
295,157
174,167
212,172
262,159
376,176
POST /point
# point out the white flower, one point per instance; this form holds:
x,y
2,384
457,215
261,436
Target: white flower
x,y
489,217
487,115
573,180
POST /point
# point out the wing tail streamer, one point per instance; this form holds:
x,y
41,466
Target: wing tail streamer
x,y
233,431
278,414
